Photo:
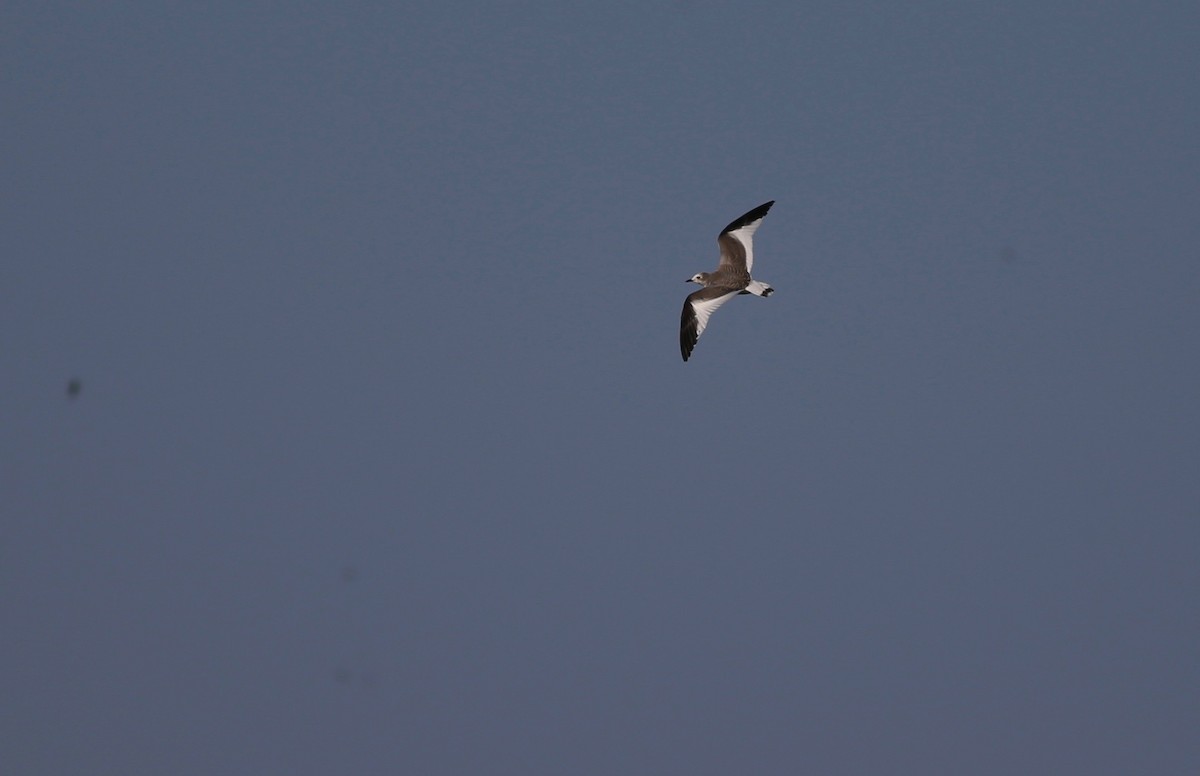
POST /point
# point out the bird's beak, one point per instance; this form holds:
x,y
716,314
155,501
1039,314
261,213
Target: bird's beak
x,y
689,280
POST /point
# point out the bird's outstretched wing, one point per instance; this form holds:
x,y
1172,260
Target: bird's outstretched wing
x,y
696,310
737,240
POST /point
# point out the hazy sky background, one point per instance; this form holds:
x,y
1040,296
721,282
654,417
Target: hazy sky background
x,y
385,460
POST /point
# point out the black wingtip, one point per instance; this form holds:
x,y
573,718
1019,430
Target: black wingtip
x,y
749,218
687,331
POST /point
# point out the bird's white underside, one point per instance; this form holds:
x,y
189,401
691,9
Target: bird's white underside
x,y
759,288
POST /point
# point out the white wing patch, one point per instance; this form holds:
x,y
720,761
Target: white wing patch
x,y
745,235
703,308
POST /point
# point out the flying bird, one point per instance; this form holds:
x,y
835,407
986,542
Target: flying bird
x,y
732,277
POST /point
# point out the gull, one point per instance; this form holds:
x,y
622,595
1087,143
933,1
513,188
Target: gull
x,y
732,277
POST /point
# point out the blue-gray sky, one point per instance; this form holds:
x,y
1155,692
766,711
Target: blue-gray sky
x,y
385,460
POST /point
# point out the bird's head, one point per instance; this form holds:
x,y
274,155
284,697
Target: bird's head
x,y
699,277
